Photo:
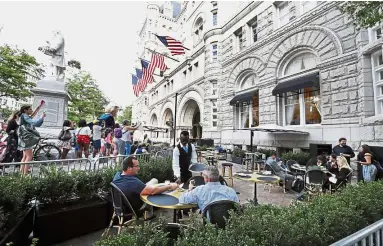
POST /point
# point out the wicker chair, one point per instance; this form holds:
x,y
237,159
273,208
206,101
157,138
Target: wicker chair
x,y
217,212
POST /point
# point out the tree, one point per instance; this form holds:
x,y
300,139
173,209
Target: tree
x,y
86,100
17,68
126,114
5,113
364,14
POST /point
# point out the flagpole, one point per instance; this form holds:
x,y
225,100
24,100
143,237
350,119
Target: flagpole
x,y
162,55
185,48
175,121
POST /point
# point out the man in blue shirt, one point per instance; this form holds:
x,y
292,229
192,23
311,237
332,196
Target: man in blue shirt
x,y
212,191
133,187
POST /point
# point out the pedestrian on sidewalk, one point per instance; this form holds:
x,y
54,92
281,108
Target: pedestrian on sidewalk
x,y
83,138
96,137
65,139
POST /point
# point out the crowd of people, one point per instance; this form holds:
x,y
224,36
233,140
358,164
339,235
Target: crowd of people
x,y
102,137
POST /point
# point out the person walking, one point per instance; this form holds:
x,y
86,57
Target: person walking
x,y
28,136
83,138
65,139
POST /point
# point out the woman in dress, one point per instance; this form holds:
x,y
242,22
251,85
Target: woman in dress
x,y
12,153
66,145
26,143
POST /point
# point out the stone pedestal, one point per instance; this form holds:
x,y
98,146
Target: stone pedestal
x,y
54,94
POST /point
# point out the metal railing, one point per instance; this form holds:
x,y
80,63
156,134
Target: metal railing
x,y
35,166
371,235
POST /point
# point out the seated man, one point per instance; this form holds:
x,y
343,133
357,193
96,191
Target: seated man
x,y
212,191
132,187
286,178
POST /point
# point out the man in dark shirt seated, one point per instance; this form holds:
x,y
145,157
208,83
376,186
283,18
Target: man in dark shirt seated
x,y
344,150
133,187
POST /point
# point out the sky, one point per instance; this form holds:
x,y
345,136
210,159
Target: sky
x,y
103,36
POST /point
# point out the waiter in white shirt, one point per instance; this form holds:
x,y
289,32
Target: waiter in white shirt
x,y
184,154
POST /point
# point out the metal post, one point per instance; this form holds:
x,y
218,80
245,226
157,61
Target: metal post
x,y
175,121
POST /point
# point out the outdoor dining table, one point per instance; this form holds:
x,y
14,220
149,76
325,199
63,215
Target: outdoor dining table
x,y
299,167
197,168
256,178
168,200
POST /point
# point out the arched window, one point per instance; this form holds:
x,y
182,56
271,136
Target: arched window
x,y
246,80
302,106
299,63
198,30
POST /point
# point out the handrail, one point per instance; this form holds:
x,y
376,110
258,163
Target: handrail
x,y
370,235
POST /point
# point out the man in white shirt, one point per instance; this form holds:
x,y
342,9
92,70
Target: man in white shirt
x,y
184,154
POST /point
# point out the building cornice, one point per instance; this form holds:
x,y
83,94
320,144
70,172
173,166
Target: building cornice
x,y
179,91
299,22
245,11
373,47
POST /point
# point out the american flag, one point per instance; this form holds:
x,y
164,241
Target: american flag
x,y
175,46
157,61
146,75
141,82
136,90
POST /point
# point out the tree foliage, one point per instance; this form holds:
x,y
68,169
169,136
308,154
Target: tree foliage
x,y
86,100
126,114
364,14
16,69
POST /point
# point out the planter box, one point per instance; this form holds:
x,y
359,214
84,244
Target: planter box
x,y
19,234
56,223
236,159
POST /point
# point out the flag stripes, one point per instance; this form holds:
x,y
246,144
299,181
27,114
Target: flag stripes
x,y
175,46
136,89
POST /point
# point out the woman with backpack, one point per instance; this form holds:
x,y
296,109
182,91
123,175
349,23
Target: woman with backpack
x,y
83,134
367,161
28,136
65,139
108,122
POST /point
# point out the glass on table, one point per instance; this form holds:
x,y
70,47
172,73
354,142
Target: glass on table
x,y
167,182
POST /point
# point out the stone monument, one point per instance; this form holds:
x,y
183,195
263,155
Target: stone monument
x,y
52,88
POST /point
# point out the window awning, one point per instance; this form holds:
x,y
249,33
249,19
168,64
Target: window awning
x,y
271,128
243,97
309,80
154,128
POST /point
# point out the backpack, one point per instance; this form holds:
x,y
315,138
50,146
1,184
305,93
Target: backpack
x,y
118,132
65,135
298,185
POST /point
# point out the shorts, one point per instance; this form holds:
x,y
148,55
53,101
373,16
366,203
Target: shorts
x,y
97,144
83,139
108,145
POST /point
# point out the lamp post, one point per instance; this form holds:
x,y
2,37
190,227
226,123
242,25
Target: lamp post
x,y
175,121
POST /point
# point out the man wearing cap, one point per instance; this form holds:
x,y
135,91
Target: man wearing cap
x,y
212,191
96,137
184,154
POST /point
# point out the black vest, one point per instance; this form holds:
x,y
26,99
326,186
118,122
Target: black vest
x,y
184,160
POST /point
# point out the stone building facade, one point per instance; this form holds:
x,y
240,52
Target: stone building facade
x,y
297,73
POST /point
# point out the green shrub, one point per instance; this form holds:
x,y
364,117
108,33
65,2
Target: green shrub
x,y
86,184
325,220
237,152
159,168
302,158
267,152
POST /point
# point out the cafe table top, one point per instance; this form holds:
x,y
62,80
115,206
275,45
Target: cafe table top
x,y
172,200
258,178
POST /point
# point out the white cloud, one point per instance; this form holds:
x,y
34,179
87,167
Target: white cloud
x,y
101,35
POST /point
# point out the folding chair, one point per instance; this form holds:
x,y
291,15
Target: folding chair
x,y
122,210
217,212
314,181
342,184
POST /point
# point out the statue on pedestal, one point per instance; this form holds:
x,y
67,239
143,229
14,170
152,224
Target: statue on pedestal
x,y
55,49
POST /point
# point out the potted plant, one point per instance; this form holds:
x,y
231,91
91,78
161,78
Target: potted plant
x,y
69,205
238,155
16,213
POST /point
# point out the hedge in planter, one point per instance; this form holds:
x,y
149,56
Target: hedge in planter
x,y
302,158
69,205
325,220
16,215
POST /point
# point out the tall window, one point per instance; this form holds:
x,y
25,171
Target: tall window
x,y
214,48
214,113
239,38
253,29
283,10
198,29
244,115
377,62
214,18
214,88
